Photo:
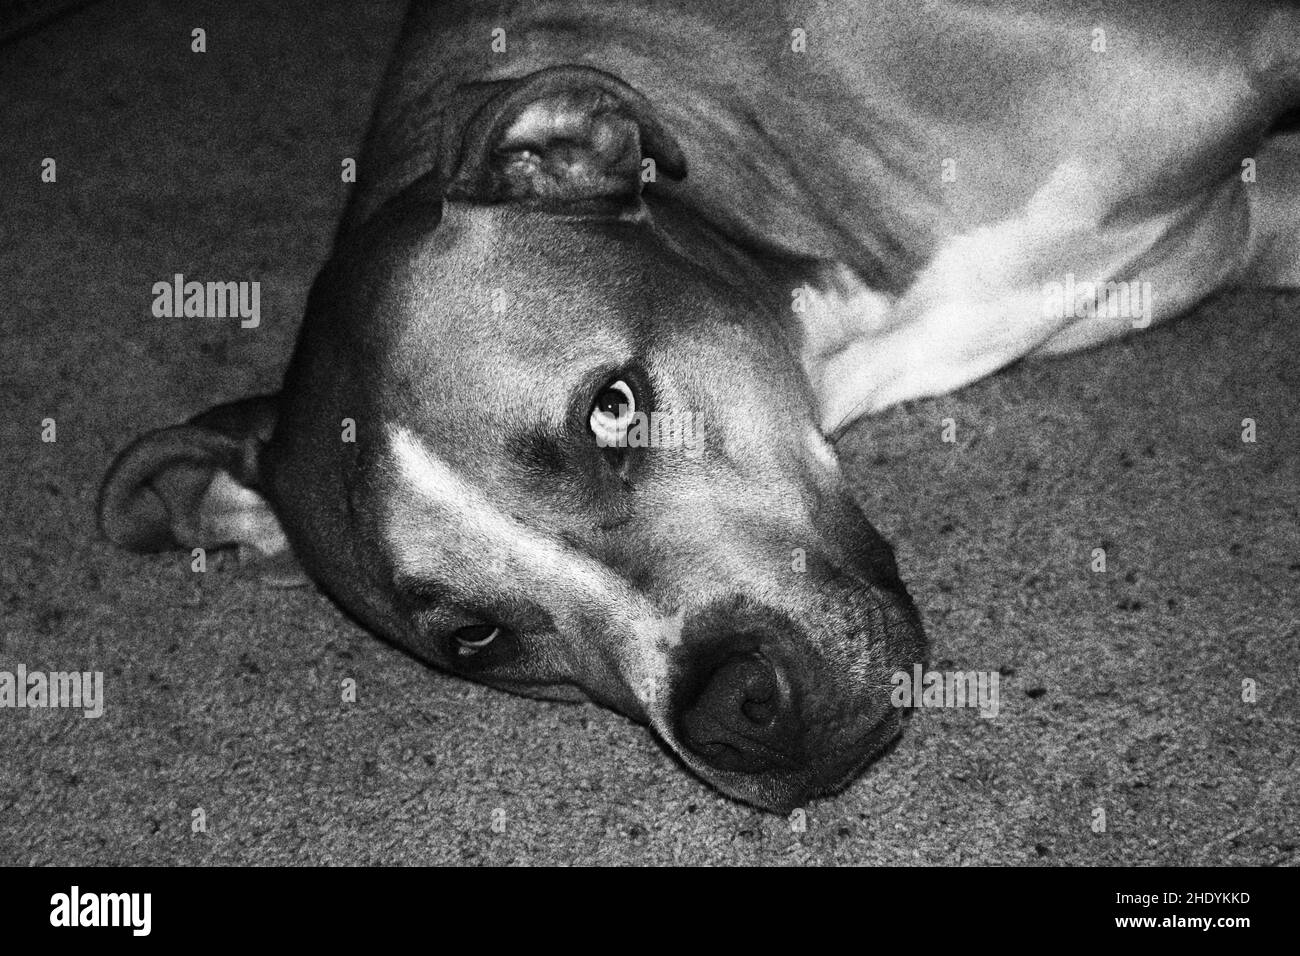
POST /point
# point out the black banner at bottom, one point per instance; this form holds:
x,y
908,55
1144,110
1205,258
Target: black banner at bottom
x,y
333,906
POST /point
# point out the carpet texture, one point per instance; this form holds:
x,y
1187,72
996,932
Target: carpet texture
x,y
1121,690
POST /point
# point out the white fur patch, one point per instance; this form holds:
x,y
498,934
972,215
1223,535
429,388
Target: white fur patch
x,y
821,451
230,512
460,532
979,304
468,517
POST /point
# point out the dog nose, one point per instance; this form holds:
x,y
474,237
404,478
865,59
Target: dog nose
x,y
743,718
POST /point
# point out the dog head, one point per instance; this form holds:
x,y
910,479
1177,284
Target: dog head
x,y
529,438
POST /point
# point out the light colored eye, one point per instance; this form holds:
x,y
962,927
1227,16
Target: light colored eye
x,y
612,414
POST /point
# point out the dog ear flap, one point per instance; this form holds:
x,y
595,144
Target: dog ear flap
x,y
196,486
561,135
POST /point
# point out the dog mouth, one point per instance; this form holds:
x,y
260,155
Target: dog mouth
x,y
787,784
877,744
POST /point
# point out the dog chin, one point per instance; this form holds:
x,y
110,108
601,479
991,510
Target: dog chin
x,y
787,792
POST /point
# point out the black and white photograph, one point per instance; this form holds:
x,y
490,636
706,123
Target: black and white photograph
x,y
650,433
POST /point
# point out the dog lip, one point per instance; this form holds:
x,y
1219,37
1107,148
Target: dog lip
x,y
877,740
781,789
814,787
777,760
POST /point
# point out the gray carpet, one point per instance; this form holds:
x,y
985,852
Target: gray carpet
x,y
1122,690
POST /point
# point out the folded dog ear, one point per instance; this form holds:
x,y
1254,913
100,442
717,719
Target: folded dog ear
x,y
195,485
563,134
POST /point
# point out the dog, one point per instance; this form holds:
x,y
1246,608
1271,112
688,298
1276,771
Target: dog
x,y
615,275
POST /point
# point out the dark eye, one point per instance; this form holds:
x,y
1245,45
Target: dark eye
x,y
481,645
471,640
612,414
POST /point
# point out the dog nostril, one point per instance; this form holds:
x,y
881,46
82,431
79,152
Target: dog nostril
x,y
746,683
760,711
742,718
761,694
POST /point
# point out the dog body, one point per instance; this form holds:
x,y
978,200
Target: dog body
x,y
939,165
733,228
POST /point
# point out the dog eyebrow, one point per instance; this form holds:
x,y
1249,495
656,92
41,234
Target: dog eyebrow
x,y
423,588
436,596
